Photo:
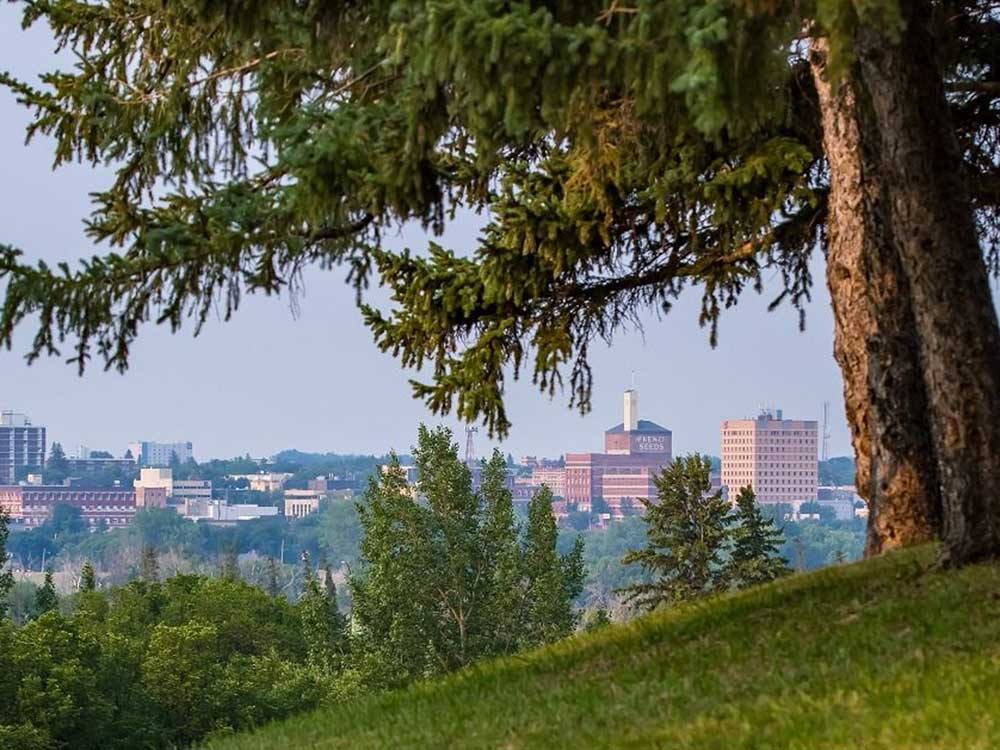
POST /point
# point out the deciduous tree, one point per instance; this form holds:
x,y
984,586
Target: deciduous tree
x,y
445,580
6,575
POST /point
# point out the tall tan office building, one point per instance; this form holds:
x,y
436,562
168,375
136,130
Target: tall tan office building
x,y
778,457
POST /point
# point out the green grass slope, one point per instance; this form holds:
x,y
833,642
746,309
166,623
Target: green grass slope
x,y
881,654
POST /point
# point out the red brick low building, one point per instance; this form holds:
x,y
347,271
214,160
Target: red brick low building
x,y
32,505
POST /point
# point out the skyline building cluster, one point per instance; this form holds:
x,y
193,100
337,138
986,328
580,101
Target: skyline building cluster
x,y
777,457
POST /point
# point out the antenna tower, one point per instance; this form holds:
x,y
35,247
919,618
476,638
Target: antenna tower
x,y
470,445
826,431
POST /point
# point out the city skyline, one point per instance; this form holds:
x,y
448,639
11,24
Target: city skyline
x,y
483,444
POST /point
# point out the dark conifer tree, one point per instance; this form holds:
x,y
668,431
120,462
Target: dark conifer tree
x,y
754,558
273,578
88,578
149,564
687,534
230,568
46,598
57,466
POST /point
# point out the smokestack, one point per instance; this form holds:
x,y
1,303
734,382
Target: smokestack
x,y
631,409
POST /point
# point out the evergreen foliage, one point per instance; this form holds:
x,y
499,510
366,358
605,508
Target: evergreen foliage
x,y
57,465
46,598
622,154
149,564
88,579
755,556
273,578
687,528
230,568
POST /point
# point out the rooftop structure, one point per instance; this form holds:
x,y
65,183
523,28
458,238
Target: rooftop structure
x,y
221,513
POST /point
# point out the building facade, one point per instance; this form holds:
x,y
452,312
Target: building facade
x,y
221,513
32,505
22,446
84,466
150,453
552,477
301,503
177,491
840,500
635,451
192,489
777,457
264,481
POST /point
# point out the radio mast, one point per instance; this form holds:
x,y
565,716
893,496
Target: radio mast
x,y
470,445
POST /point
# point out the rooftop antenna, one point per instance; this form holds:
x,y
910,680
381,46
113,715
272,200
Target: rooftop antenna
x,y
470,445
826,431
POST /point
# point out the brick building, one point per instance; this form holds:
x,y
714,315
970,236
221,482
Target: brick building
x,y
32,505
635,451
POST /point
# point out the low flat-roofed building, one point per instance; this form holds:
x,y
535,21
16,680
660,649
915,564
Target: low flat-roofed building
x,y
264,481
301,503
840,499
32,505
220,512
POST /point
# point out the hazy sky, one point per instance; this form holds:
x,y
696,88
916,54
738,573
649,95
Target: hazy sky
x,y
268,380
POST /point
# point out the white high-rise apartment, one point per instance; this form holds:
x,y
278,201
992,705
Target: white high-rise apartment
x,y
777,457
149,453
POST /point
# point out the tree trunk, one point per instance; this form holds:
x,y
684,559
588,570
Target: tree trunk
x,y
874,330
935,232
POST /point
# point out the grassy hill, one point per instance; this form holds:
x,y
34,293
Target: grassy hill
x,y
882,654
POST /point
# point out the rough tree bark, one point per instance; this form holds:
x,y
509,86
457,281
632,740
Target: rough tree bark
x,y
874,331
938,247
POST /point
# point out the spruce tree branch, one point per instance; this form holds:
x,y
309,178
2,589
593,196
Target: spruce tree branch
x,y
974,87
237,70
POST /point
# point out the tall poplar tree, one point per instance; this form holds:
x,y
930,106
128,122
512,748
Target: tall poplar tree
x,y
149,564
6,575
551,582
445,579
623,153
